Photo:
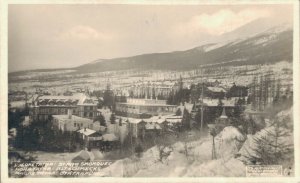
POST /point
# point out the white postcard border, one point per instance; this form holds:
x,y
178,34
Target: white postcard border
x,y
4,89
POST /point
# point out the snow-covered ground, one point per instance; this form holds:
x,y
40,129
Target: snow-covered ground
x,y
49,156
197,162
230,144
18,104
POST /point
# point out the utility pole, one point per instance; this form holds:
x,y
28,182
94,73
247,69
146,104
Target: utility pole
x,y
201,125
213,133
214,156
254,93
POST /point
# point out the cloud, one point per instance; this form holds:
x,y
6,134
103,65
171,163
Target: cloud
x,y
81,32
87,32
220,22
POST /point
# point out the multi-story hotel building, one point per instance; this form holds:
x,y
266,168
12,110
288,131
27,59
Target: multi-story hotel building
x,y
144,108
43,107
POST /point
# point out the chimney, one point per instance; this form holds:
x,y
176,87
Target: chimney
x,y
70,113
85,129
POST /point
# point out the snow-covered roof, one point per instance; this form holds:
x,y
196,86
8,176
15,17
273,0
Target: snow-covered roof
x,y
229,102
66,119
223,115
107,110
189,107
109,137
78,98
157,119
86,131
161,119
152,126
216,89
174,120
215,102
134,120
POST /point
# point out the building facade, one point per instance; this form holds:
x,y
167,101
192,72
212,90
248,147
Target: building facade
x,y
71,122
43,107
144,108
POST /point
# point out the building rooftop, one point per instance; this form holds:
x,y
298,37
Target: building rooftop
x,y
187,106
109,137
65,118
216,89
75,99
152,126
223,115
155,119
146,102
215,102
86,131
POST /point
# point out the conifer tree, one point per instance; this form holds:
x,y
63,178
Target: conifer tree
x,y
270,145
112,118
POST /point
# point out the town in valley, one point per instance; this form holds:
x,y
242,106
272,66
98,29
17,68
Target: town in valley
x,y
208,111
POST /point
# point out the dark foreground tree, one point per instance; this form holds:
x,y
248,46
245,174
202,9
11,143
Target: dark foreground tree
x,y
186,118
101,120
178,112
271,145
112,118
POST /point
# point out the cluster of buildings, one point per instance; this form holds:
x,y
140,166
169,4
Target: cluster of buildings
x,y
78,113
140,128
142,108
153,90
73,113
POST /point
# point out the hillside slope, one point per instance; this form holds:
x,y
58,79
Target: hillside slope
x,y
271,46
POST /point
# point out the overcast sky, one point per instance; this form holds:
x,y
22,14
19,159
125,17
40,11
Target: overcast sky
x,y
56,36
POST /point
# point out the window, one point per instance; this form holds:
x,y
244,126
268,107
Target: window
x,y
91,114
74,124
85,114
91,107
81,124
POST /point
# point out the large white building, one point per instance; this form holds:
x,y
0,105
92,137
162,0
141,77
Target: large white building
x,y
43,107
144,108
71,122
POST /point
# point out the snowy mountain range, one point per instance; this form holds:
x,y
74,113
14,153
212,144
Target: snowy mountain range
x,y
270,46
258,42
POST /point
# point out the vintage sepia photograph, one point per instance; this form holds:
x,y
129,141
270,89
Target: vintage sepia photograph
x,y
150,90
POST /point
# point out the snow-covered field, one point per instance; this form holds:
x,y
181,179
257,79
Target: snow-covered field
x,y
18,104
48,156
230,147
197,162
